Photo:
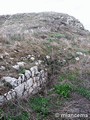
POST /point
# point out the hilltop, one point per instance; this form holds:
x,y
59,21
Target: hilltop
x,y
57,43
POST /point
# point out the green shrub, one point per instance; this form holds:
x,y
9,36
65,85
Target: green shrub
x,y
23,116
84,92
72,76
21,70
69,76
57,35
1,113
40,105
63,90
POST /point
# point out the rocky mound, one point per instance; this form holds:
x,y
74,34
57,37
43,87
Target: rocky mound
x,y
19,25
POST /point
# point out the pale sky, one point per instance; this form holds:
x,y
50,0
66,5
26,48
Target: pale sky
x,y
78,8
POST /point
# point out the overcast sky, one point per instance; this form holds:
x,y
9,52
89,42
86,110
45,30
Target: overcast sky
x,y
77,8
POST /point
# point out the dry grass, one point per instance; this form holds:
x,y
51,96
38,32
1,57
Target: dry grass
x,y
59,50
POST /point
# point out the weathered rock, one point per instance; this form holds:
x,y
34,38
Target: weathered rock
x,y
1,99
8,95
38,62
77,58
27,74
47,56
32,58
21,64
29,83
34,70
21,78
79,53
16,67
11,80
20,90
29,56
1,56
2,68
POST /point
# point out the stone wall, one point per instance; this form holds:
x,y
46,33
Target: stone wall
x,y
28,83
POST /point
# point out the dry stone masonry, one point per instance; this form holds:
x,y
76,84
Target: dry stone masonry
x,y
28,83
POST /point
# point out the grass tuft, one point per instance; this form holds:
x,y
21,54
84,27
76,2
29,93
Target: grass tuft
x,y
40,105
63,90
